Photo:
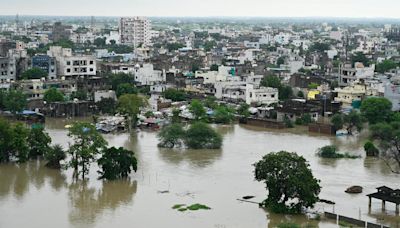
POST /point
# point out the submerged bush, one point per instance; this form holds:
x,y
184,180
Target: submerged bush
x,y
331,152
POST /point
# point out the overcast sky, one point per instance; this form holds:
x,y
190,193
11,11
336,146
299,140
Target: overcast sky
x,y
263,8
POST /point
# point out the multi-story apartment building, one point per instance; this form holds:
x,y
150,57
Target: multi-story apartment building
x,y
72,66
7,70
135,31
46,63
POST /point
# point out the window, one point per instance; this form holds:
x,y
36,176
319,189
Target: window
x,y
68,70
91,62
91,69
68,63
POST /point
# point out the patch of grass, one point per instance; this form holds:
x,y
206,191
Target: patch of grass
x,y
288,225
345,224
195,207
178,206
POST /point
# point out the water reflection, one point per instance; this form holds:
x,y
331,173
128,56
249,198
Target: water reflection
x,y
16,179
88,203
195,158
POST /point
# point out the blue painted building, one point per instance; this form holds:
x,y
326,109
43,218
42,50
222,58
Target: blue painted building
x,y
45,63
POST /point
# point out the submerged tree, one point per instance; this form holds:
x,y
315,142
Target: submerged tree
x,y
116,163
388,135
39,142
171,136
130,104
87,144
197,109
54,155
290,183
376,109
201,136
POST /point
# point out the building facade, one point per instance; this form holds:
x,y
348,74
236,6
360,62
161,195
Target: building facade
x,y
135,31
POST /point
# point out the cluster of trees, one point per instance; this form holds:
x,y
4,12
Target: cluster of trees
x,y
290,183
21,144
34,73
12,100
332,152
386,66
113,46
88,144
198,136
175,94
285,91
350,121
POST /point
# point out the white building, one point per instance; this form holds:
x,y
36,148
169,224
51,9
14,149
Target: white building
x,y
135,31
261,95
144,74
72,66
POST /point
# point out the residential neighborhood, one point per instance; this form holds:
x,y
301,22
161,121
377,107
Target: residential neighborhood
x,y
288,119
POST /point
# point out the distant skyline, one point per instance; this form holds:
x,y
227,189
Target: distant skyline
x,y
205,8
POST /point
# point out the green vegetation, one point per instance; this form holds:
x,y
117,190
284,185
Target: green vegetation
x,y
285,92
305,119
386,66
174,94
201,136
288,178
87,144
54,155
38,142
376,109
116,163
174,46
197,109
171,136
13,100
198,136
331,152
34,73
117,79
388,135
107,106
214,67
223,115
351,121
193,207
243,110
288,225
126,88
370,149
130,105
79,94
53,95
313,85
18,143
319,47
361,58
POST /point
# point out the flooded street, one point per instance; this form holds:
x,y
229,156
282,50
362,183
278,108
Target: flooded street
x,y
33,196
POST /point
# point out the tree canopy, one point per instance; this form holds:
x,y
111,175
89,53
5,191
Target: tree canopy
x,y
385,66
116,163
290,183
174,94
34,73
201,136
88,143
53,95
13,100
197,109
376,109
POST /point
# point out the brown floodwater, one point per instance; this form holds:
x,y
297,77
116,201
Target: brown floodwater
x,y
33,196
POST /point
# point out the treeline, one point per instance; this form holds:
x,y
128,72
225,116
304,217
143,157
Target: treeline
x,y
20,144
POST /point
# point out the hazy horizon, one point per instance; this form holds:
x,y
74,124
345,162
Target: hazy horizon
x,y
206,8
